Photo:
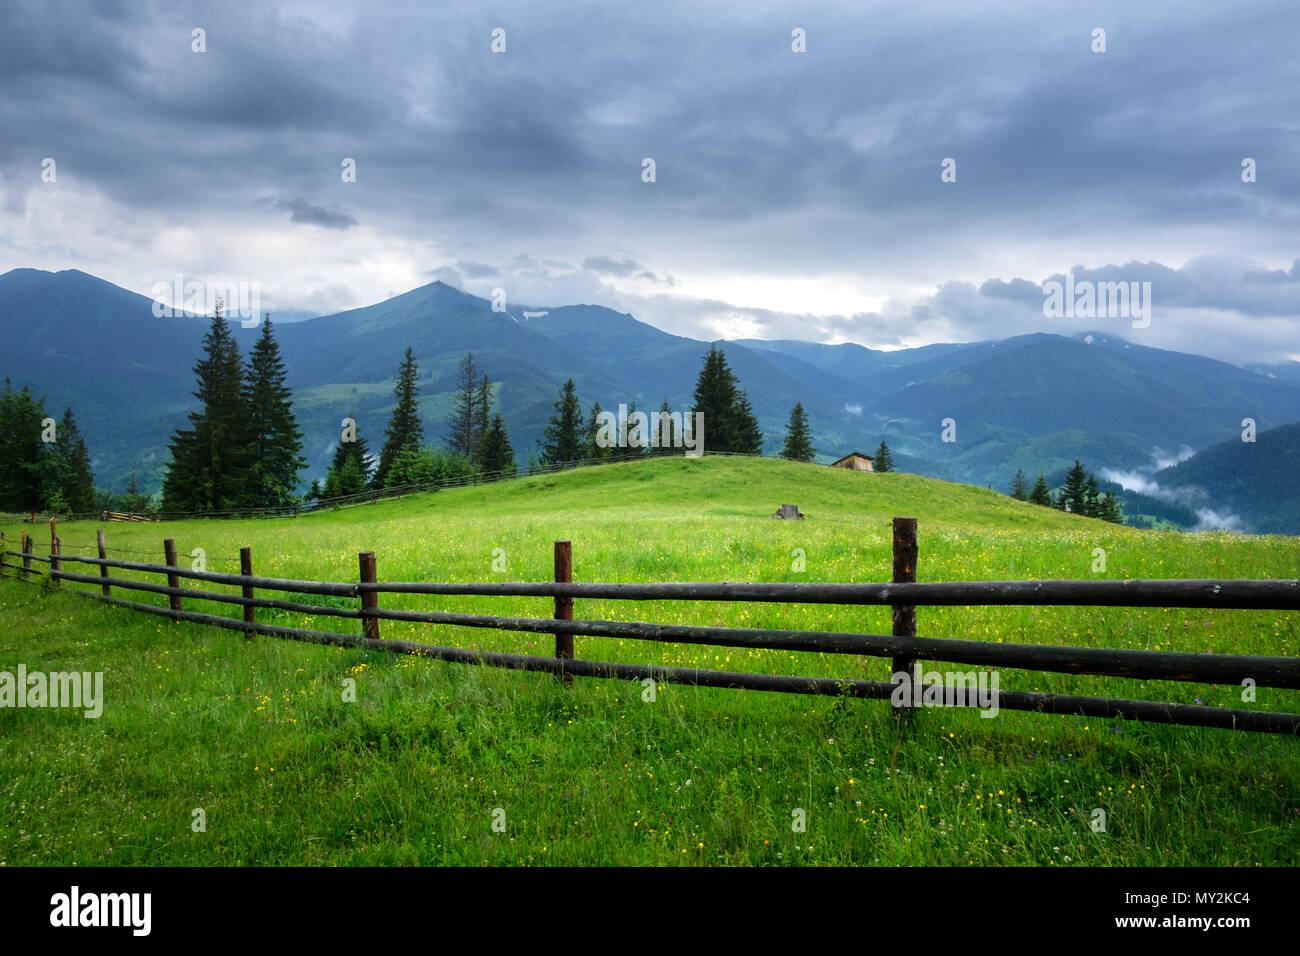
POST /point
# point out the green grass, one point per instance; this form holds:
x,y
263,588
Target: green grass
x,y
258,735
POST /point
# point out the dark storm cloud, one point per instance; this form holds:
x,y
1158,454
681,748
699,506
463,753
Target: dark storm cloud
x,y
302,211
772,163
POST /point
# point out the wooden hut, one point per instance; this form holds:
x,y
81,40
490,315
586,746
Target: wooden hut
x,y
855,461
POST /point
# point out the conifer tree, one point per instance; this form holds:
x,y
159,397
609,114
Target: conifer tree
x,y
1041,495
461,426
348,471
210,461
633,451
884,461
28,466
592,449
798,440
482,417
1090,497
1108,509
749,436
664,429
498,458
405,431
1073,492
276,440
1019,486
78,483
562,440
715,396
729,421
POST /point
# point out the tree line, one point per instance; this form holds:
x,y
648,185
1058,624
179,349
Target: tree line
x,y
730,424
242,447
476,441
44,464
1079,495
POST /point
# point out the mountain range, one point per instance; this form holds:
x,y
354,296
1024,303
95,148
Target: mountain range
x,y
1030,402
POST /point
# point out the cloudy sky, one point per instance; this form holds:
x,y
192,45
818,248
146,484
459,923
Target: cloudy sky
x,y
795,194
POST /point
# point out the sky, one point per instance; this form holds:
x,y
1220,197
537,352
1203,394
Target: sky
x,y
834,172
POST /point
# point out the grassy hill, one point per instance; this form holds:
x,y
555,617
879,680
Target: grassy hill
x,y
257,734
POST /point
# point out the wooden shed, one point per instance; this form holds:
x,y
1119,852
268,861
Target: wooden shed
x,y
855,461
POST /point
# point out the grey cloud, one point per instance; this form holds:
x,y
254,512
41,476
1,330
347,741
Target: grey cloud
x,y
476,270
609,266
1017,290
302,211
768,163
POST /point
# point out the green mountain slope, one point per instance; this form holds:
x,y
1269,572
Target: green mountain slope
x,y
1257,481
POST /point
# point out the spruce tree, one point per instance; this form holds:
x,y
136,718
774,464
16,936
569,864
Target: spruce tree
x,y
498,458
276,440
1090,497
460,427
405,430
884,461
592,449
633,451
1108,509
78,483
29,469
749,436
210,461
562,441
1019,486
798,441
482,417
347,474
1041,495
1074,491
664,429
715,396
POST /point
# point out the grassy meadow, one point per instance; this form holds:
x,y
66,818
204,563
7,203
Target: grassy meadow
x,y
446,764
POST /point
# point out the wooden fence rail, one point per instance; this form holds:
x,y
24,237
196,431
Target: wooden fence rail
x,y
903,645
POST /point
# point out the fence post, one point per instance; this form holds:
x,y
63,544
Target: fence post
x,y
564,605
369,599
27,557
173,581
904,615
54,558
250,612
103,556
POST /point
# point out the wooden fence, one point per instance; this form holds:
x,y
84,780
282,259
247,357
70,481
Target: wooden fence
x,y
903,594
